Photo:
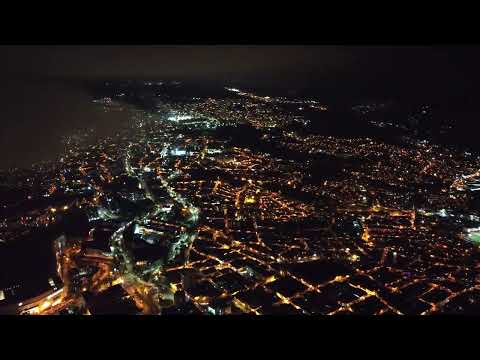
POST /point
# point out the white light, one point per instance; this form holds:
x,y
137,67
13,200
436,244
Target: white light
x,y
180,118
178,152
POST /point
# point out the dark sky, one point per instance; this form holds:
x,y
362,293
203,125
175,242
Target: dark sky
x,y
324,67
42,93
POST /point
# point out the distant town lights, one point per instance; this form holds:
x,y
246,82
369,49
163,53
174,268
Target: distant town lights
x,y
178,118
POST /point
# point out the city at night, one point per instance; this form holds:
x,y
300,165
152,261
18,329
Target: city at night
x,y
216,180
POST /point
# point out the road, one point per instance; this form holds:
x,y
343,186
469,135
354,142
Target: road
x,y
147,294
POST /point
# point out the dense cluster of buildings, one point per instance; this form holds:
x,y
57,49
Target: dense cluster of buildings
x,y
169,215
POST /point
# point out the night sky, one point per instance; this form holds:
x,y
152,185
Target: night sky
x,y
43,94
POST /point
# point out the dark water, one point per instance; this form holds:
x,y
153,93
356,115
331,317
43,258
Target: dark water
x,y
36,114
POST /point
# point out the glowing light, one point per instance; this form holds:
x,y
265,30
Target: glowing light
x,y
117,281
354,258
178,118
366,236
473,235
282,298
45,305
270,279
250,200
178,152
